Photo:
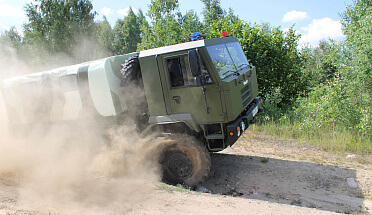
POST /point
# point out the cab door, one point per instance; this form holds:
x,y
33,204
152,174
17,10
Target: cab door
x,y
184,94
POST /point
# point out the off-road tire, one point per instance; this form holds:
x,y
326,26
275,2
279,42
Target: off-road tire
x,y
134,93
130,71
183,160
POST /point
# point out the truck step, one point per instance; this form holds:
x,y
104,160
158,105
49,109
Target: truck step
x,y
214,136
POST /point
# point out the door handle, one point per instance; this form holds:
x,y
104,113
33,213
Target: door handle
x,y
176,99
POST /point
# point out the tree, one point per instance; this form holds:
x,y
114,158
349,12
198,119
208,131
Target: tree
x,y
228,22
11,37
324,63
357,26
10,48
212,12
141,20
105,35
59,26
165,28
127,34
273,52
163,9
278,62
190,23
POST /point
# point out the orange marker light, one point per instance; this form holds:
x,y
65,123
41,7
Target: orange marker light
x,y
231,133
238,128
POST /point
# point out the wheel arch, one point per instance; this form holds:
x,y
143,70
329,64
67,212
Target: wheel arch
x,y
185,120
171,154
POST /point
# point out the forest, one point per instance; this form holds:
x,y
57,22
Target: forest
x,y
319,95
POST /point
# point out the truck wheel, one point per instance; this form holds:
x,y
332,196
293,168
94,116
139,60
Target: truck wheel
x,y
184,161
134,92
130,71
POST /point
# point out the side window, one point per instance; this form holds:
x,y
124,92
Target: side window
x,y
205,73
176,69
180,74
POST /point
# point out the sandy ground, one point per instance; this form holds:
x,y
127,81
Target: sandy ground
x,y
258,175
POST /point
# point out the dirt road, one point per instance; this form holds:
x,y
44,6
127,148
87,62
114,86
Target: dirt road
x,y
276,171
259,175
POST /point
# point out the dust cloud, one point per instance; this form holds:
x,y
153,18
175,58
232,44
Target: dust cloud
x,y
59,172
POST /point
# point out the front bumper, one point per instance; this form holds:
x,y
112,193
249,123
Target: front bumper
x,y
236,128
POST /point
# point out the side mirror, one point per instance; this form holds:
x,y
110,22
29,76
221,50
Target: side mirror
x,y
194,63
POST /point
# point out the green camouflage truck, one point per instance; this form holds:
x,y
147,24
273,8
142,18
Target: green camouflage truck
x,y
200,95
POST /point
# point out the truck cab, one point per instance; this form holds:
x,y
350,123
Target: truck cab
x,y
207,85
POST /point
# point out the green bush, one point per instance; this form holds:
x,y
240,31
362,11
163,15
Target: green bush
x,y
365,125
327,106
271,110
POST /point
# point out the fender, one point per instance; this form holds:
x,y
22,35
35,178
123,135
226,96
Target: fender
x,y
187,118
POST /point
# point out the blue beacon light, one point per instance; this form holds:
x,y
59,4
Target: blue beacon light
x,y
195,36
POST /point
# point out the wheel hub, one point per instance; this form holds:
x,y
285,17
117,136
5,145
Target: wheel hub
x,y
179,165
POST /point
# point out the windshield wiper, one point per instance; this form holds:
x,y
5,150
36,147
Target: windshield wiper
x,y
232,72
240,67
247,65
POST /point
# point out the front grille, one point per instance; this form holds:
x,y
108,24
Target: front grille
x,y
246,95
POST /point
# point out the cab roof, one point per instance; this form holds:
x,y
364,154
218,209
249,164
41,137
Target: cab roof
x,y
186,46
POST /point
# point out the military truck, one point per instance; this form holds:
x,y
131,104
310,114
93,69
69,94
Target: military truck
x,y
200,95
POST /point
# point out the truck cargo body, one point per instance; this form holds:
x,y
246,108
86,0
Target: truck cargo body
x,y
87,91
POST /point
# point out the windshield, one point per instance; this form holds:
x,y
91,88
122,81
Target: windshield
x,y
228,58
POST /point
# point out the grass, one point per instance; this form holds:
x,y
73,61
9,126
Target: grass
x,y
171,189
296,202
267,194
264,160
330,139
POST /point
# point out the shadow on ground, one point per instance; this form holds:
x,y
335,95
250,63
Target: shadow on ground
x,y
289,182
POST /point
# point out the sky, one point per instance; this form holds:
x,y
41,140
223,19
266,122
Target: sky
x,y
313,19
